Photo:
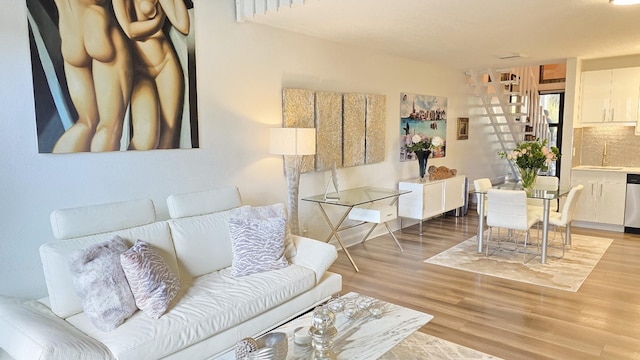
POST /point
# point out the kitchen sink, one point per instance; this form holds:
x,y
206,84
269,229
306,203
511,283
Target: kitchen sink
x,y
602,168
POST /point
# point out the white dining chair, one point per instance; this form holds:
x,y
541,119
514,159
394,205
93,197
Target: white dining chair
x,y
544,183
482,184
509,210
564,217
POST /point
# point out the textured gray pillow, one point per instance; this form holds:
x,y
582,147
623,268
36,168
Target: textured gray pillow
x,y
152,282
265,212
258,245
101,284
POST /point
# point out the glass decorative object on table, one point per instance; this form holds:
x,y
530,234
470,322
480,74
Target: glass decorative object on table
x,y
323,331
528,177
350,310
363,308
376,311
336,304
364,302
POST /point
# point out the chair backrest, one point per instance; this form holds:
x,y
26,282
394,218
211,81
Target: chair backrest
x,y
508,209
569,207
482,184
545,183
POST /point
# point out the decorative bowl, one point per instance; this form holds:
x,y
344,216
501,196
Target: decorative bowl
x,y
276,341
266,353
244,347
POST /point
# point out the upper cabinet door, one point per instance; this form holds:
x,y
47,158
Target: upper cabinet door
x,y
595,96
610,96
625,92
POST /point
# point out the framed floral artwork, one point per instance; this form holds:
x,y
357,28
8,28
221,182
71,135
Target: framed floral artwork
x,y
426,116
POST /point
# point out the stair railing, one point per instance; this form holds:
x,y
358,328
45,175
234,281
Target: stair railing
x,y
510,99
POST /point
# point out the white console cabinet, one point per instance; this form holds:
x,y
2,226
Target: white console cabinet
x,y
431,198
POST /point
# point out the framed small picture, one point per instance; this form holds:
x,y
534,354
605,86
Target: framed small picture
x,y
552,73
463,129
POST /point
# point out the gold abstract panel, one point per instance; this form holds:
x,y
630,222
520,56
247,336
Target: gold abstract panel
x,y
297,111
328,112
354,129
376,116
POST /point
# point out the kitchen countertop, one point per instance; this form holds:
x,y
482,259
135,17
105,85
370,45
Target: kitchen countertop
x,y
620,169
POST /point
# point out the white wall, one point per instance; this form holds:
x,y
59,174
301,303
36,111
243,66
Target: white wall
x,y
242,69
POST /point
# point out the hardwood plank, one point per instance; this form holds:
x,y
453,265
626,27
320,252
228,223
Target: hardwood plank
x,y
501,317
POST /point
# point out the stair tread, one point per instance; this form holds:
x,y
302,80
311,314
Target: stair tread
x,y
507,119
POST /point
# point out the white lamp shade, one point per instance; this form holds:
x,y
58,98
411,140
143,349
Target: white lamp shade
x,y
624,2
293,141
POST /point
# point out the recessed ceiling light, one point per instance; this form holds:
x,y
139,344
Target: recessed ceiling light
x,y
624,2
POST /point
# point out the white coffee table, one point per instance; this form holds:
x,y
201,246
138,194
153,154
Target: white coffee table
x,y
361,338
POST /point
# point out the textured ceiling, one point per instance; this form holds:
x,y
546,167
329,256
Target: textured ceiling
x,y
470,34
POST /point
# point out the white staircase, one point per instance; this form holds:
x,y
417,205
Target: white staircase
x,y
510,100
250,8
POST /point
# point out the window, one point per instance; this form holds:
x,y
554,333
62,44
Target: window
x,y
552,105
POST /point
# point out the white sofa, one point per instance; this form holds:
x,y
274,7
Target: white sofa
x,y
210,314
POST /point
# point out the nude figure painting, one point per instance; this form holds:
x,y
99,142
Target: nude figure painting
x,y
116,74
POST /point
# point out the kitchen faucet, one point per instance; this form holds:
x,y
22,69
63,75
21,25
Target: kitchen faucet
x,y
604,154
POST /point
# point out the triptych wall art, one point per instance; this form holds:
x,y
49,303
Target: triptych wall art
x,y
422,114
104,87
350,128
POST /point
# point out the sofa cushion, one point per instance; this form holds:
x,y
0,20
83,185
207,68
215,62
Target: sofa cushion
x,y
211,304
151,280
55,261
95,219
258,245
203,202
265,212
101,284
202,243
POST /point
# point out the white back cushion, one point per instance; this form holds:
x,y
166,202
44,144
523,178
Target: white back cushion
x,y
203,202
96,219
202,243
55,261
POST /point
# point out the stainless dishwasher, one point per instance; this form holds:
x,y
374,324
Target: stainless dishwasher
x,y
632,205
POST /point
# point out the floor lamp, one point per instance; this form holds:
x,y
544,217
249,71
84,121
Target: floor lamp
x,y
293,144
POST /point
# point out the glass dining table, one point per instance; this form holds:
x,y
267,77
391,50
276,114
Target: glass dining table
x,y
546,195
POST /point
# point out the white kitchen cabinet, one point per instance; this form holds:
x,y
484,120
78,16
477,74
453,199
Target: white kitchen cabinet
x,y
610,96
431,198
603,196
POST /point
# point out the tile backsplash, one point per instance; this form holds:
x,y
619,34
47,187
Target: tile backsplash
x,y
623,146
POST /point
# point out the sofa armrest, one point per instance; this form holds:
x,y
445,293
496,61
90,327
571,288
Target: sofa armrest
x,y
314,254
29,330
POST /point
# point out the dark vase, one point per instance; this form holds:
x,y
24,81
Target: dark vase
x,y
422,156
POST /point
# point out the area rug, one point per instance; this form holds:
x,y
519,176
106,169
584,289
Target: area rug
x,y
423,346
567,273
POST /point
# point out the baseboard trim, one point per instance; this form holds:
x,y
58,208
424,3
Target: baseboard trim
x,y
598,226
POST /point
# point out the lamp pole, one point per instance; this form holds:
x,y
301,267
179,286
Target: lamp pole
x,y
293,144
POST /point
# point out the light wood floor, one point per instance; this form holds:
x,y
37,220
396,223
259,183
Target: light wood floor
x,y
508,319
